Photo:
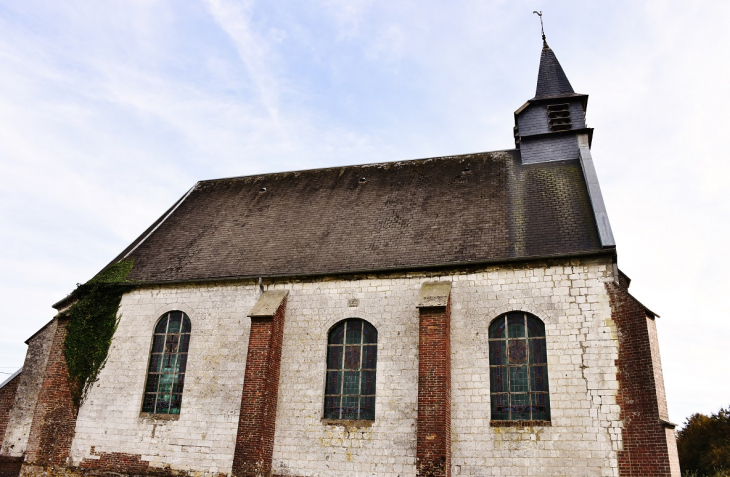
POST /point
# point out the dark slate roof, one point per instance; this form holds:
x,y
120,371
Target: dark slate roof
x,y
474,208
551,79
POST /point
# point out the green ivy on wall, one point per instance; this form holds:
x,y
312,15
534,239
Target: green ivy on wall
x,y
93,319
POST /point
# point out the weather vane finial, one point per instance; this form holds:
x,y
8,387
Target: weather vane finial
x,y
542,28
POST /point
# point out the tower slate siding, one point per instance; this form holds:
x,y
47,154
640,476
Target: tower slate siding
x,y
549,149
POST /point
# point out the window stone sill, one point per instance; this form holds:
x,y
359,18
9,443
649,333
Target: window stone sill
x,y
347,422
520,424
158,417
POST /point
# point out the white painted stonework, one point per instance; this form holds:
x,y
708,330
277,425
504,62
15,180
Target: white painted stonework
x,y
582,347
203,438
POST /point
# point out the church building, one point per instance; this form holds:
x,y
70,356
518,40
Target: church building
x,y
452,316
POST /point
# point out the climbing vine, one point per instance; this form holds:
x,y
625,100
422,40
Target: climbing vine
x,y
93,319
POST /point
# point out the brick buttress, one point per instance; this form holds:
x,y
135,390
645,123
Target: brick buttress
x,y
257,421
649,448
54,418
433,434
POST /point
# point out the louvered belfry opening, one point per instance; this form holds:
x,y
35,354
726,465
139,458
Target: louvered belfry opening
x,y
559,117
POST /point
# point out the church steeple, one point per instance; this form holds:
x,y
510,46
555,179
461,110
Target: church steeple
x,y
551,127
548,126
551,79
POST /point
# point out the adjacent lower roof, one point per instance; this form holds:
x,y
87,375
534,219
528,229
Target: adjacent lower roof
x,y
474,208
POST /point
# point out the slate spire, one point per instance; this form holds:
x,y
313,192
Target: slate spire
x,y
551,79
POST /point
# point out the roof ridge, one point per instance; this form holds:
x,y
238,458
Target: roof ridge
x,y
367,164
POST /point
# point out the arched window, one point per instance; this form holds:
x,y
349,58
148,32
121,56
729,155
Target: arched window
x,y
352,348
168,360
518,368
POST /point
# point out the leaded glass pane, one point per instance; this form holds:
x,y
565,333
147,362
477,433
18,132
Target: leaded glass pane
x,y
152,381
354,332
500,407
540,406
367,407
171,343
517,352
496,329
169,364
498,379
162,406
334,382
337,334
174,325
520,407
350,407
351,363
535,327
155,363
178,388
367,385
537,351
351,384
148,405
332,407
352,357
175,404
370,334
158,344
186,324
498,353
165,385
515,325
334,357
369,356
518,379
162,326
538,378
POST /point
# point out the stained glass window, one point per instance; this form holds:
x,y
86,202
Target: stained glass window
x,y
352,349
518,368
168,361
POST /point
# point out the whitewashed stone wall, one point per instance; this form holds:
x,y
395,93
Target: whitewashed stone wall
x,y
582,346
203,438
304,445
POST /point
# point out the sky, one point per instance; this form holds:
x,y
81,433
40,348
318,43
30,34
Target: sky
x,y
110,111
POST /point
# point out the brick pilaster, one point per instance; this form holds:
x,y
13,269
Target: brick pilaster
x,y
433,434
645,445
54,419
257,421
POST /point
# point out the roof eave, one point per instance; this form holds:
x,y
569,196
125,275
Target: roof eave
x,y
606,251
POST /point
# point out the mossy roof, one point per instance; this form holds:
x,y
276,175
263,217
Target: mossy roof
x,y
444,211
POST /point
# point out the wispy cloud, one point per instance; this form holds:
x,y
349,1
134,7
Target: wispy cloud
x,y
234,17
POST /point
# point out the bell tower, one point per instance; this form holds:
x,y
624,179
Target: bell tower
x,y
548,126
552,127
